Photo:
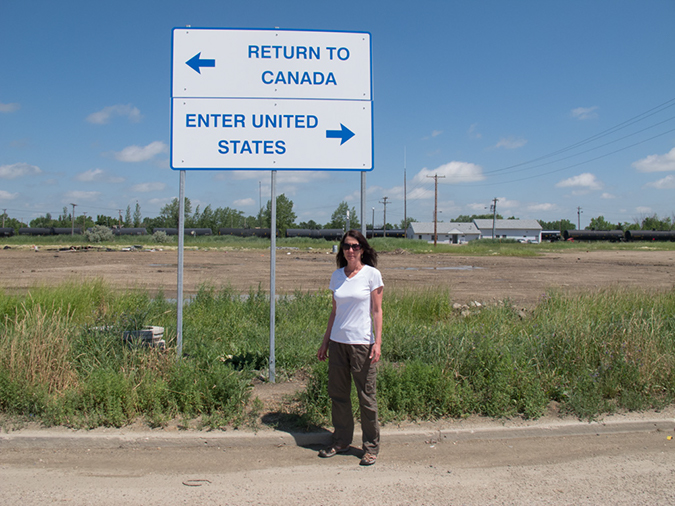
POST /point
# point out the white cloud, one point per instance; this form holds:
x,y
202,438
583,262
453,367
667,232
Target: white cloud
x,y
503,202
510,143
104,115
160,201
473,132
584,113
607,196
9,107
478,206
76,195
544,207
97,175
148,187
436,133
5,195
17,170
644,210
657,163
421,193
453,172
667,183
283,177
134,154
244,202
585,181
90,175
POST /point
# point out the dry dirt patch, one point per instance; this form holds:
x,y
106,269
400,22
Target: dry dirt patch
x,y
523,280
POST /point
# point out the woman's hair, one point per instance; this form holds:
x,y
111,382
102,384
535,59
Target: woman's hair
x,y
369,256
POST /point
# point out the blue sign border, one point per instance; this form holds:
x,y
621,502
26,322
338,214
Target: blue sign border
x,y
372,122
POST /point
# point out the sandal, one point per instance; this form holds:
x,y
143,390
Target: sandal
x,y
332,450
368,459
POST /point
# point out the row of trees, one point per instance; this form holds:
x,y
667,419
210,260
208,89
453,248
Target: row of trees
x,y
343,216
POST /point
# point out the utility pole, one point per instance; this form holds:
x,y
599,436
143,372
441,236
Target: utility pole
x,y
384,224
494,215
405,192
373,233
579,211
435,177
119,223
72,220
4,213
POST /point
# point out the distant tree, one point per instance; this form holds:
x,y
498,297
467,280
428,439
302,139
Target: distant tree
x,y
285,215
464,218
406,223
168,215
600,223
64,220
106,221
45,221
339,217
12,223
310,225
653,222
85,221
127,218
557,225
137,215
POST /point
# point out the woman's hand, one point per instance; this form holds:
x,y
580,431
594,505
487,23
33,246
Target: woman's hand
x,y
375,352
322,354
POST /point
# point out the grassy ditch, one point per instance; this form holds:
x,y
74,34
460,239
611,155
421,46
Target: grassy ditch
x,y
63,362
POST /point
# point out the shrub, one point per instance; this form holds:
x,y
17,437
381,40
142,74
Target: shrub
x,y
160,237
99,233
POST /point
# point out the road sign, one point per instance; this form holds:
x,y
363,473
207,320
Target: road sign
x,y
271,99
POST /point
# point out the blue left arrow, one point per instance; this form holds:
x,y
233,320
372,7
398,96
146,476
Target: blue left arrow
x,y
344,133
196,63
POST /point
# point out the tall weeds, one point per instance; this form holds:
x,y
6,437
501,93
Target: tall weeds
x,y
62,359
35,347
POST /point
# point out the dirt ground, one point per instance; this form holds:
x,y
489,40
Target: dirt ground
x,y
522,280
622,459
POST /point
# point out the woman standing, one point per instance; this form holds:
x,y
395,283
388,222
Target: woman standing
x,y
352,344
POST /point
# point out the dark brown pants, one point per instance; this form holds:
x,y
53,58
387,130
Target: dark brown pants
x,y
347,361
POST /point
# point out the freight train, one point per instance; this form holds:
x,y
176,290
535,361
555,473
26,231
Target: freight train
x,y
330,234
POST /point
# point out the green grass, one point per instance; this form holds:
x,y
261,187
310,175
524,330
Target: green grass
x,y
62,359
483,247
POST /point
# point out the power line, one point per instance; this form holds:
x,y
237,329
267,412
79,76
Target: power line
x,y
592,149
579,163
604,133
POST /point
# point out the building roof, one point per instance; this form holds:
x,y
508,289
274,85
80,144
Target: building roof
x,y
508,224
427,227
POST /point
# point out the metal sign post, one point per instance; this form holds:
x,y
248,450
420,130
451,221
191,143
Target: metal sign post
x,y
181,243
273,262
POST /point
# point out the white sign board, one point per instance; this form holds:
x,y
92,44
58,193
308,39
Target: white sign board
x,y
271,99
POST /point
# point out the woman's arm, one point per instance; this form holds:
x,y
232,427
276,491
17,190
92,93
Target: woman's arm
x,y
376,312
323,349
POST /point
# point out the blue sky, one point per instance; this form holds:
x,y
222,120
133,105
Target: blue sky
x,y
546,106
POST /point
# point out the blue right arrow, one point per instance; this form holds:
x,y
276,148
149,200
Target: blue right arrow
x,y
196,63
344,133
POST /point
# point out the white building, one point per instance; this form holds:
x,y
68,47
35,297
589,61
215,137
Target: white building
x,y
449,233
520,230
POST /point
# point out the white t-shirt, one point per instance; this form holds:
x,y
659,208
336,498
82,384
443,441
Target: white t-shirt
x,y
353,323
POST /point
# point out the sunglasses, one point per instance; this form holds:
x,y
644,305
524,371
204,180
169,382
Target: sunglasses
x,y
353,247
